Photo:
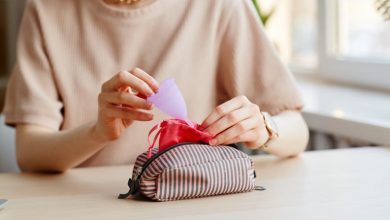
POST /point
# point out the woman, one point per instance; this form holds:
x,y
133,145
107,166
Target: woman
x,y
76,61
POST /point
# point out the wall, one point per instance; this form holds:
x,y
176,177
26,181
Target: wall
x,y
10,15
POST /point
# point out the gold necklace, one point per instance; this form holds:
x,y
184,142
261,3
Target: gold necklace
x,y
127,2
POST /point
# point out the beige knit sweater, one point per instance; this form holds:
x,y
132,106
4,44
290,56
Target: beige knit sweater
x,y
215,49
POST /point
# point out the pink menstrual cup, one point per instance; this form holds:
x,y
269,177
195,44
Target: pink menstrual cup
x,y
170,100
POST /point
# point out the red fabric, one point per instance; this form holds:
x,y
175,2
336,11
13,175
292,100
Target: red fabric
x,y
174,131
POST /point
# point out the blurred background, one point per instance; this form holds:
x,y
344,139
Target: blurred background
x,y
339,51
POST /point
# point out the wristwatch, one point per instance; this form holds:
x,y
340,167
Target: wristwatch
x,y
272,128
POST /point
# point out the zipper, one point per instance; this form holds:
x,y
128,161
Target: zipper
x,y
141,169
138,172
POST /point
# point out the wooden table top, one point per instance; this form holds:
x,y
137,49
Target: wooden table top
x,y
331,184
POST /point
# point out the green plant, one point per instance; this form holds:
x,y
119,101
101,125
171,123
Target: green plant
x,y
264,16
383,6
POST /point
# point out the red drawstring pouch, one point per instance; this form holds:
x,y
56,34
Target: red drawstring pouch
x,y
174,131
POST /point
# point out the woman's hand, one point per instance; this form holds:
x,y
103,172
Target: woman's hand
x,y
119,106
237,120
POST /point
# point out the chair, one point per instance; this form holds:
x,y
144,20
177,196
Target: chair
x,y
7,148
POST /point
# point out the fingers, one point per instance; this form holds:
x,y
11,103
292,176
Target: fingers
x,y
237,120
127,113
249,138
116,101
237,133
126,79
224,109
229,120
146,78
123,98
119,106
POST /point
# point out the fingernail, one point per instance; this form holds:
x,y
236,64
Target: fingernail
x,y
150,93
156,87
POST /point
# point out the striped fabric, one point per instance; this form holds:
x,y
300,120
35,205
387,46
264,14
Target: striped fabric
x,y
194,170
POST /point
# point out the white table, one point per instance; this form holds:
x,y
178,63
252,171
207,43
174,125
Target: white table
x,y
331,184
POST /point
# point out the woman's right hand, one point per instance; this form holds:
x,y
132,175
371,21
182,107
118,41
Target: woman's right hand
x,y
119,106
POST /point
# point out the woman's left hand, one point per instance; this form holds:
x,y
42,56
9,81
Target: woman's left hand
x,y
237,120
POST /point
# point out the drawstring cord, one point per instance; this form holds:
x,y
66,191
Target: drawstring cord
x,y
158,128
151,145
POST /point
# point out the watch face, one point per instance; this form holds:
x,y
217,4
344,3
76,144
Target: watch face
x,y
270,123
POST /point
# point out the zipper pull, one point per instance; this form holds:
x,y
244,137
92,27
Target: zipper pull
x,y
259,188
133,184
134,189
125,195
138,172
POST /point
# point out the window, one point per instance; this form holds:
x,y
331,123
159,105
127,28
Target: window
x,y
354,45
344,40
293,31
304,35
362,32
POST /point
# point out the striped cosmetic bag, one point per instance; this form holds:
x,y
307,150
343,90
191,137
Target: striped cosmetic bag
x,y
191,170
